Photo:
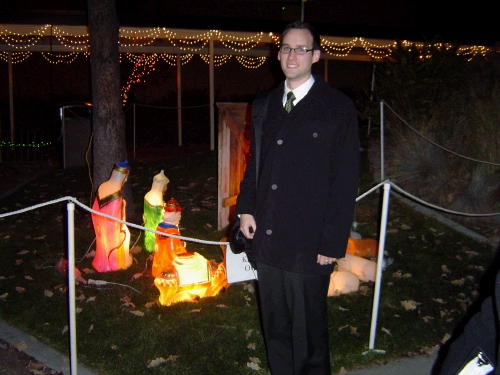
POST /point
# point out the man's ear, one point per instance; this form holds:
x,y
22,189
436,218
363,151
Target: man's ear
x,y
316,55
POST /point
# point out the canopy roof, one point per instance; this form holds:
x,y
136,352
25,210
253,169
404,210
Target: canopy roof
x,y
23,40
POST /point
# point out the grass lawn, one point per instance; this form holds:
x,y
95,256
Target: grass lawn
x,y
434,266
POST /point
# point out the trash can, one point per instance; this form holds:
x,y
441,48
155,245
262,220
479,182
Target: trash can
x,y
76,133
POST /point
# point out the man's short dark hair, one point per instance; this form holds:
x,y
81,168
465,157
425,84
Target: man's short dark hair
x,y
303,26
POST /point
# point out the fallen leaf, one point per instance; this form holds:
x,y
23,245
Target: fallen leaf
x,y
19,262
21,346
251,346
221,306
91,299
406,275
341,328
28,278
255,360
458,282
471,253
438,300
156,362
409,304
445,269
354,331
36,368
81,297
65,329
342,309
78,310
91,327
48,293
386,331
253,366
135,250
90,254
4,296
137,313
88,271
249,333
149,304
394,230
114,347
249,288
195,311
136,276
20,289
427,318
172,358
23,252
397,274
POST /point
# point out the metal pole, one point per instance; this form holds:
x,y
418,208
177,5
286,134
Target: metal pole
x,y
133,122
71,283
372,89
11,100
179,101
382,158
212,94
380,261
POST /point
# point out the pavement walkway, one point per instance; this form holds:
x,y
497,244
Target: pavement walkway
x,y
41,352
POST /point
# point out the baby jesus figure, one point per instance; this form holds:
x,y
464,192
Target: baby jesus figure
x,y
181,275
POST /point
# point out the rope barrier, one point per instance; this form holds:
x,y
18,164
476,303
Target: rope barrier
x,y
131,225
182,107
434,143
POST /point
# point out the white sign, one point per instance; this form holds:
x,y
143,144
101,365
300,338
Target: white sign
x,y
238,268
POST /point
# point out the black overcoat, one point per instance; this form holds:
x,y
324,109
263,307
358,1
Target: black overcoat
x,y
308,180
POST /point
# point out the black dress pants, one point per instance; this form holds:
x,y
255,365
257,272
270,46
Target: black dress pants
x,y
294,320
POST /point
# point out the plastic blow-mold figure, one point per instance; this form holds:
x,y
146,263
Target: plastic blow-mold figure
x,y
179,274
154,208
112,238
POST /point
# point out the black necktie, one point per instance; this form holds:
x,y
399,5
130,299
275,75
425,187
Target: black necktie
x,y
289,101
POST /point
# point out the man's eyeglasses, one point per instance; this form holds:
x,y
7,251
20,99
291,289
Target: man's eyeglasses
x,y
298,51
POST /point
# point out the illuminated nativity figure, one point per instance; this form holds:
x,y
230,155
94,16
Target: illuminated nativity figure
x,y
112,238
181,275
153,209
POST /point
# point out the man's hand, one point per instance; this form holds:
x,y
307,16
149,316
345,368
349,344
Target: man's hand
x,y
324,260
247,225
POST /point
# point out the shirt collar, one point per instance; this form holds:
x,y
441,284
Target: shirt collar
x,y
300,91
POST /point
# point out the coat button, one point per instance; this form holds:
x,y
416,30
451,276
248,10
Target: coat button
x,y
315,135
280,142
269,232
274,186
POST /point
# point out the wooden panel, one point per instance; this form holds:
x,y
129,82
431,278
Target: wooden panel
x,y
233,153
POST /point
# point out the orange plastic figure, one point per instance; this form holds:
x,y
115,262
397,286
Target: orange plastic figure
x,y
364,247
181,275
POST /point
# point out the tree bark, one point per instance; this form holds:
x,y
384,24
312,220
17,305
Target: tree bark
x,y
108,118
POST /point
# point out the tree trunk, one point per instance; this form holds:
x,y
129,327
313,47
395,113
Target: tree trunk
x,y
108,118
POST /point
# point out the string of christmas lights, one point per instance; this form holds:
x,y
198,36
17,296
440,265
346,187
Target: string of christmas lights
x,y
142,68
219,60
172,59
251,62
137,37
17,57
60,58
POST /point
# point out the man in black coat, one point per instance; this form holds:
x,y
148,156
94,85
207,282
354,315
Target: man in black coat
x,y
477,334
300,213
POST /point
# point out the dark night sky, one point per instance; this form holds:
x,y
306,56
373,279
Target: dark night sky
x,y
416,20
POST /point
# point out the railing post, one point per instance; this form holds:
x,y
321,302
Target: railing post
x,y
382,160
380,261
71,283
